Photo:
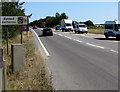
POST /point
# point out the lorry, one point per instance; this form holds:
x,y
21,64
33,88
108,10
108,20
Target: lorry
x,y
112,29
81,28
66,25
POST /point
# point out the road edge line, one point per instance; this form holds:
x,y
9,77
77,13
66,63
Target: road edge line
x,y
45,50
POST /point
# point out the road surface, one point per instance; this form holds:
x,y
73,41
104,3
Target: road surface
x,y
80,62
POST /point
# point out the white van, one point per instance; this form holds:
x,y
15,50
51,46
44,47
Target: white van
x,y
112,28
66,25
81,28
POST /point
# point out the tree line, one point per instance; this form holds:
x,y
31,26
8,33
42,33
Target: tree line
x,y
50,21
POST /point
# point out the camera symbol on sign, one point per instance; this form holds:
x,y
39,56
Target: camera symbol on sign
x,y
20,20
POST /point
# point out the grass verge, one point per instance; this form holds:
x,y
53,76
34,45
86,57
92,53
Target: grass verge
x,y
96,31
34,75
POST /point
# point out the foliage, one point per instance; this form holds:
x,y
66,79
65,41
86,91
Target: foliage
x,y
50,21
89,23
12,9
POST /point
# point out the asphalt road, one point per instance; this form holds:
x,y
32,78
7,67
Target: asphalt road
x,y
79,62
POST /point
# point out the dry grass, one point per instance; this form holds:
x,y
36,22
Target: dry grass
x,y
34,75
96,31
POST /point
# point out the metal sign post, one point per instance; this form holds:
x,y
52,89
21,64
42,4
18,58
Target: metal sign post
x,y
1,69
7,40
21,36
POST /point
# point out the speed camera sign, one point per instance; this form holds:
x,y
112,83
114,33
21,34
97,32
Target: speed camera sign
x,y
14,20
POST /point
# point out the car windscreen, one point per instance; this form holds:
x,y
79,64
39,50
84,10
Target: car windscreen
x,y
82,26
117,27
109,26
68,24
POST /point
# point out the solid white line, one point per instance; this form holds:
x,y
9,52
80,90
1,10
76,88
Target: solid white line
x,y
114,51
95,45
46,52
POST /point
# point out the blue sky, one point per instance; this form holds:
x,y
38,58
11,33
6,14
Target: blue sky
x,y
98,12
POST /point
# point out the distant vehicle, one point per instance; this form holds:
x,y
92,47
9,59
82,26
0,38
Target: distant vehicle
x,y
112,28
42,25
58,27
81,28
47,32
35,27
66,25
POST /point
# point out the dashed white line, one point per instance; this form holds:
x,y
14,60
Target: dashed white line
x,y
77,40
60,35
95,45
114,51
69,38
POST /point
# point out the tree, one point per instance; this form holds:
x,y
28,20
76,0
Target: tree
x,y
89,23
57,15
11,9
50,20
64,16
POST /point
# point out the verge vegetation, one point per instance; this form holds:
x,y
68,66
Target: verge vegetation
x,y
33,77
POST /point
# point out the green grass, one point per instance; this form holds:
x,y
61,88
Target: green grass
x,y
96,31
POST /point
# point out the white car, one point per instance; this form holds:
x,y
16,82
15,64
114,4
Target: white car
x,y
112,28
81,28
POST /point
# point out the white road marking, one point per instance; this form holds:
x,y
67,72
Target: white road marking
x,y
46,52
77,40
54,33
60,35
114,51
95,45
67,37
87,43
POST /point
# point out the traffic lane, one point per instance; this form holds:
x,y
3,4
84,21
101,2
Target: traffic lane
x,y
38,31
79,66
109,44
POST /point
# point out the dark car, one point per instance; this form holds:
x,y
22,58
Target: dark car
x,y
47,32
58,28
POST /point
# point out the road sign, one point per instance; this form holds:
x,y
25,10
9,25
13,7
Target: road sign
x,y
14,20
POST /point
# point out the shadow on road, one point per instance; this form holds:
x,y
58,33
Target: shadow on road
x,y
44,36
111,39
40,36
